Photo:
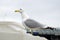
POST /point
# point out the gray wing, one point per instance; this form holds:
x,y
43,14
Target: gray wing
x,y
33,24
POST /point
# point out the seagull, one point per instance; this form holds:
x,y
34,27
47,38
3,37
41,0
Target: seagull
x,y
29,23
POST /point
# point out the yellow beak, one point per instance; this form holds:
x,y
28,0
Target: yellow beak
x,y
17,11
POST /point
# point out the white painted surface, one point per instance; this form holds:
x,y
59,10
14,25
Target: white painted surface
x,y
15,31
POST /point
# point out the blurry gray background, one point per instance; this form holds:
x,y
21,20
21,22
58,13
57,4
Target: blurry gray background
x,y
46,12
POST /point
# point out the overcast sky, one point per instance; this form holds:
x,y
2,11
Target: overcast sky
x,y
44,11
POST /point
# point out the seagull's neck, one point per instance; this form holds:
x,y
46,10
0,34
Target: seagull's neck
x,y
24,16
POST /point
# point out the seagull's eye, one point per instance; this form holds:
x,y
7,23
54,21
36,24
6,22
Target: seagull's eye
x,y
20,9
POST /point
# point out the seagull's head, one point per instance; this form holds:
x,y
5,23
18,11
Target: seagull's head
x,y
24,16
20,11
